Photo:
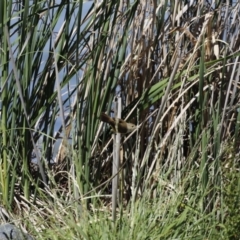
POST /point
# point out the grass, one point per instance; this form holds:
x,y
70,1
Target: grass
x,y
175,67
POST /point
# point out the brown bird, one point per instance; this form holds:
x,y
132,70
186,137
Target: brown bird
x,y
118,125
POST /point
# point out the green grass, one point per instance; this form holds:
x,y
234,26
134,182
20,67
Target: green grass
x,y
175,67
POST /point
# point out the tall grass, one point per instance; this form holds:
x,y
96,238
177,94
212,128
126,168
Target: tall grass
x,y
176,67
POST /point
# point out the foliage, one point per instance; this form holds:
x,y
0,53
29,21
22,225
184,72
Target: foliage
x,y
176,67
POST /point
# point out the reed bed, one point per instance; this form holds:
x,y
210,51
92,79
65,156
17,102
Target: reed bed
x,y
175,65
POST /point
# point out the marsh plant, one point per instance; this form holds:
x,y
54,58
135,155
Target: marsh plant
x,y
175,65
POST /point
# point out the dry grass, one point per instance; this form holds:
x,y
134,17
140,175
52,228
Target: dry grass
x,y
176,67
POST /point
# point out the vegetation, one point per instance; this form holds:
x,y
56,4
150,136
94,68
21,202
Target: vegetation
x,y
176,68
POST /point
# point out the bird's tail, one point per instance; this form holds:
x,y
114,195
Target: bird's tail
x,y
105,118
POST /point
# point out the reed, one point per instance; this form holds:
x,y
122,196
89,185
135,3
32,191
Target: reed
x,y
175,66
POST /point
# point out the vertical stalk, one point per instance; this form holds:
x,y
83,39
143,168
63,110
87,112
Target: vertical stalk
x,y
4,57
115,167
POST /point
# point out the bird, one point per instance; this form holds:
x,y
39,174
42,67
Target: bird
x,y
118,125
